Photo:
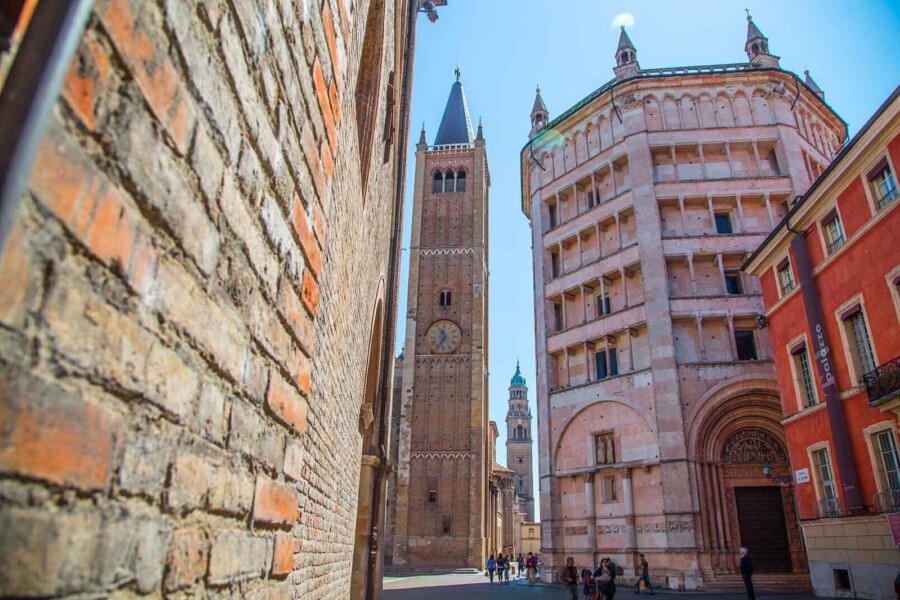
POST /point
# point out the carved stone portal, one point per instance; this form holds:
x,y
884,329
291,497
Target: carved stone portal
x,y
753,445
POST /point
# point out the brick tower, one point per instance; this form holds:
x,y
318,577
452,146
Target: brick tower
x,y
443,467
519,443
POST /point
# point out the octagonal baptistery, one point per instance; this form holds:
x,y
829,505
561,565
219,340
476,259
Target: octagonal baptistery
x,y
657,399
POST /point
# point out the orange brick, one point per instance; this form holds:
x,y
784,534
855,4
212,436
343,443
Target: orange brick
x,y
54,435
304,373
309,293
87,81
299,320
153,71
345,22
17,277
320,225
275,503
286,403
335,101
324,103
283,556
111,235
330,39
58,184
306,237
327,162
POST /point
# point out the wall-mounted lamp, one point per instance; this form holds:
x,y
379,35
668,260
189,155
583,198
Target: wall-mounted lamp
x,y
767,471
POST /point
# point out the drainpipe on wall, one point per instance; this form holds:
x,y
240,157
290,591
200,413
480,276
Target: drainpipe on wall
x,y
30,90
840,436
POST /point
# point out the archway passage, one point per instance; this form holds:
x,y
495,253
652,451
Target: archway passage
x,y
762,527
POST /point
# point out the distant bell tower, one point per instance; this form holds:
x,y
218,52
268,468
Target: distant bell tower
x,y
443,464
519,442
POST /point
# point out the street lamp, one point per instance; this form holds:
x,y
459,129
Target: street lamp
x,y
767,471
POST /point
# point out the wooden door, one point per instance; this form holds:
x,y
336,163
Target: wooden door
x,y
762,528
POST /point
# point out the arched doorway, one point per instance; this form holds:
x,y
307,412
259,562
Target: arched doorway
x,y
366,565
739,504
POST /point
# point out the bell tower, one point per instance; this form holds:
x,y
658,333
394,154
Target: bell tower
x,y
443,467
519,443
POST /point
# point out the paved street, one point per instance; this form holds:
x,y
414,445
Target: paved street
x,y
477,587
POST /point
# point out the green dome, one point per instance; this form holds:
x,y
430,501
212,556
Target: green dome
x,y
517,379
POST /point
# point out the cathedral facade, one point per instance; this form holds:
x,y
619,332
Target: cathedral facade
x,y
443,501
657,401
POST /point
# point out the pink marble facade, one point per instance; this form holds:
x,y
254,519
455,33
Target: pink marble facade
x,y
629,197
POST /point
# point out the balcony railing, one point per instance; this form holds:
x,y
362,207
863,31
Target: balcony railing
x,y
828,507
883,383
888,501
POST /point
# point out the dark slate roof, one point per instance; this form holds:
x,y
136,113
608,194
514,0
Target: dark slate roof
x,y
538,103
753,31
456,126
624,41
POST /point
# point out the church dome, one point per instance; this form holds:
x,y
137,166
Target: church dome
x,y
517,379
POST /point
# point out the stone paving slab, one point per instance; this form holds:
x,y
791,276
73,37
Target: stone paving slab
x,y
477,587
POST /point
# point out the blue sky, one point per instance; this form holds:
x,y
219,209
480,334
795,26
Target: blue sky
x,y
503,48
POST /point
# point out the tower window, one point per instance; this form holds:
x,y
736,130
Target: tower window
x,y
438,185
625,57
461,181
449,182
723,223
446,298
733,283
432,496
746,345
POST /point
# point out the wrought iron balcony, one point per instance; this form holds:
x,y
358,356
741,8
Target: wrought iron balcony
x,y
828,508
883,383
888,501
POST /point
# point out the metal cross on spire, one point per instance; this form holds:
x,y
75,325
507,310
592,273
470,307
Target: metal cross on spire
x,y
747,10
457,73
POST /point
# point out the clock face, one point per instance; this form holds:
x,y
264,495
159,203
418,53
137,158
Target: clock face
x,y
444,337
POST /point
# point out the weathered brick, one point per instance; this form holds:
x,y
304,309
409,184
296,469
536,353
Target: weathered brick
x,y
132,549
325,104
52,434
298,319
238,556
279,233
144,465
283,556
88,81
144,50
331,41
187,558
208,165
305,235
303,370
327,161
197,483
293,459
242,223
309,293
311,153
18,279
213,413
44,553
270,592
254,436
286,404
275,503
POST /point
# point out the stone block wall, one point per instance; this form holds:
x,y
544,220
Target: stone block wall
x,y
186,305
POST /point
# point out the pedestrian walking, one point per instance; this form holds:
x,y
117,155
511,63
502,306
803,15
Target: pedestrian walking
x,y
606,579
491,567
531,566
644,577
507,565
747,573
569,578
521,562
590,586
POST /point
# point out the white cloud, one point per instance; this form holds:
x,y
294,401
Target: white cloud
x,y
626,19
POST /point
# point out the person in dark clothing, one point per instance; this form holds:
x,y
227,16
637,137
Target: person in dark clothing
x,y
747,573
606,579
645,576
569,578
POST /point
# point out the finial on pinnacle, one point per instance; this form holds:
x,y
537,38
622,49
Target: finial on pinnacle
x,y
622,27
538,89
457,73
747,10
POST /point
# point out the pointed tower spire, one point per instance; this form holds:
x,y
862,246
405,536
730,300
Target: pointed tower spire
x,y
456,125
810,82
540,116
757,45
422,145
626,58
479,135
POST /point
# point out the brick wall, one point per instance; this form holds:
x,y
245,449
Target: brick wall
x,y
186,306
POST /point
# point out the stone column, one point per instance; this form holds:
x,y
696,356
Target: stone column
x,y
598,230
740,209
624,285
584,315
630,349
712,213
603,295
674,161
594,189
618,230
612,175
578,242
730,164
628,501
575,192
587,363
681,210
690,262
699,319
590,508
769,210
568,377
734,353
702,160
562,259
758,161
721,266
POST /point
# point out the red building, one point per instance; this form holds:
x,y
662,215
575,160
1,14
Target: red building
x,y
830,275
